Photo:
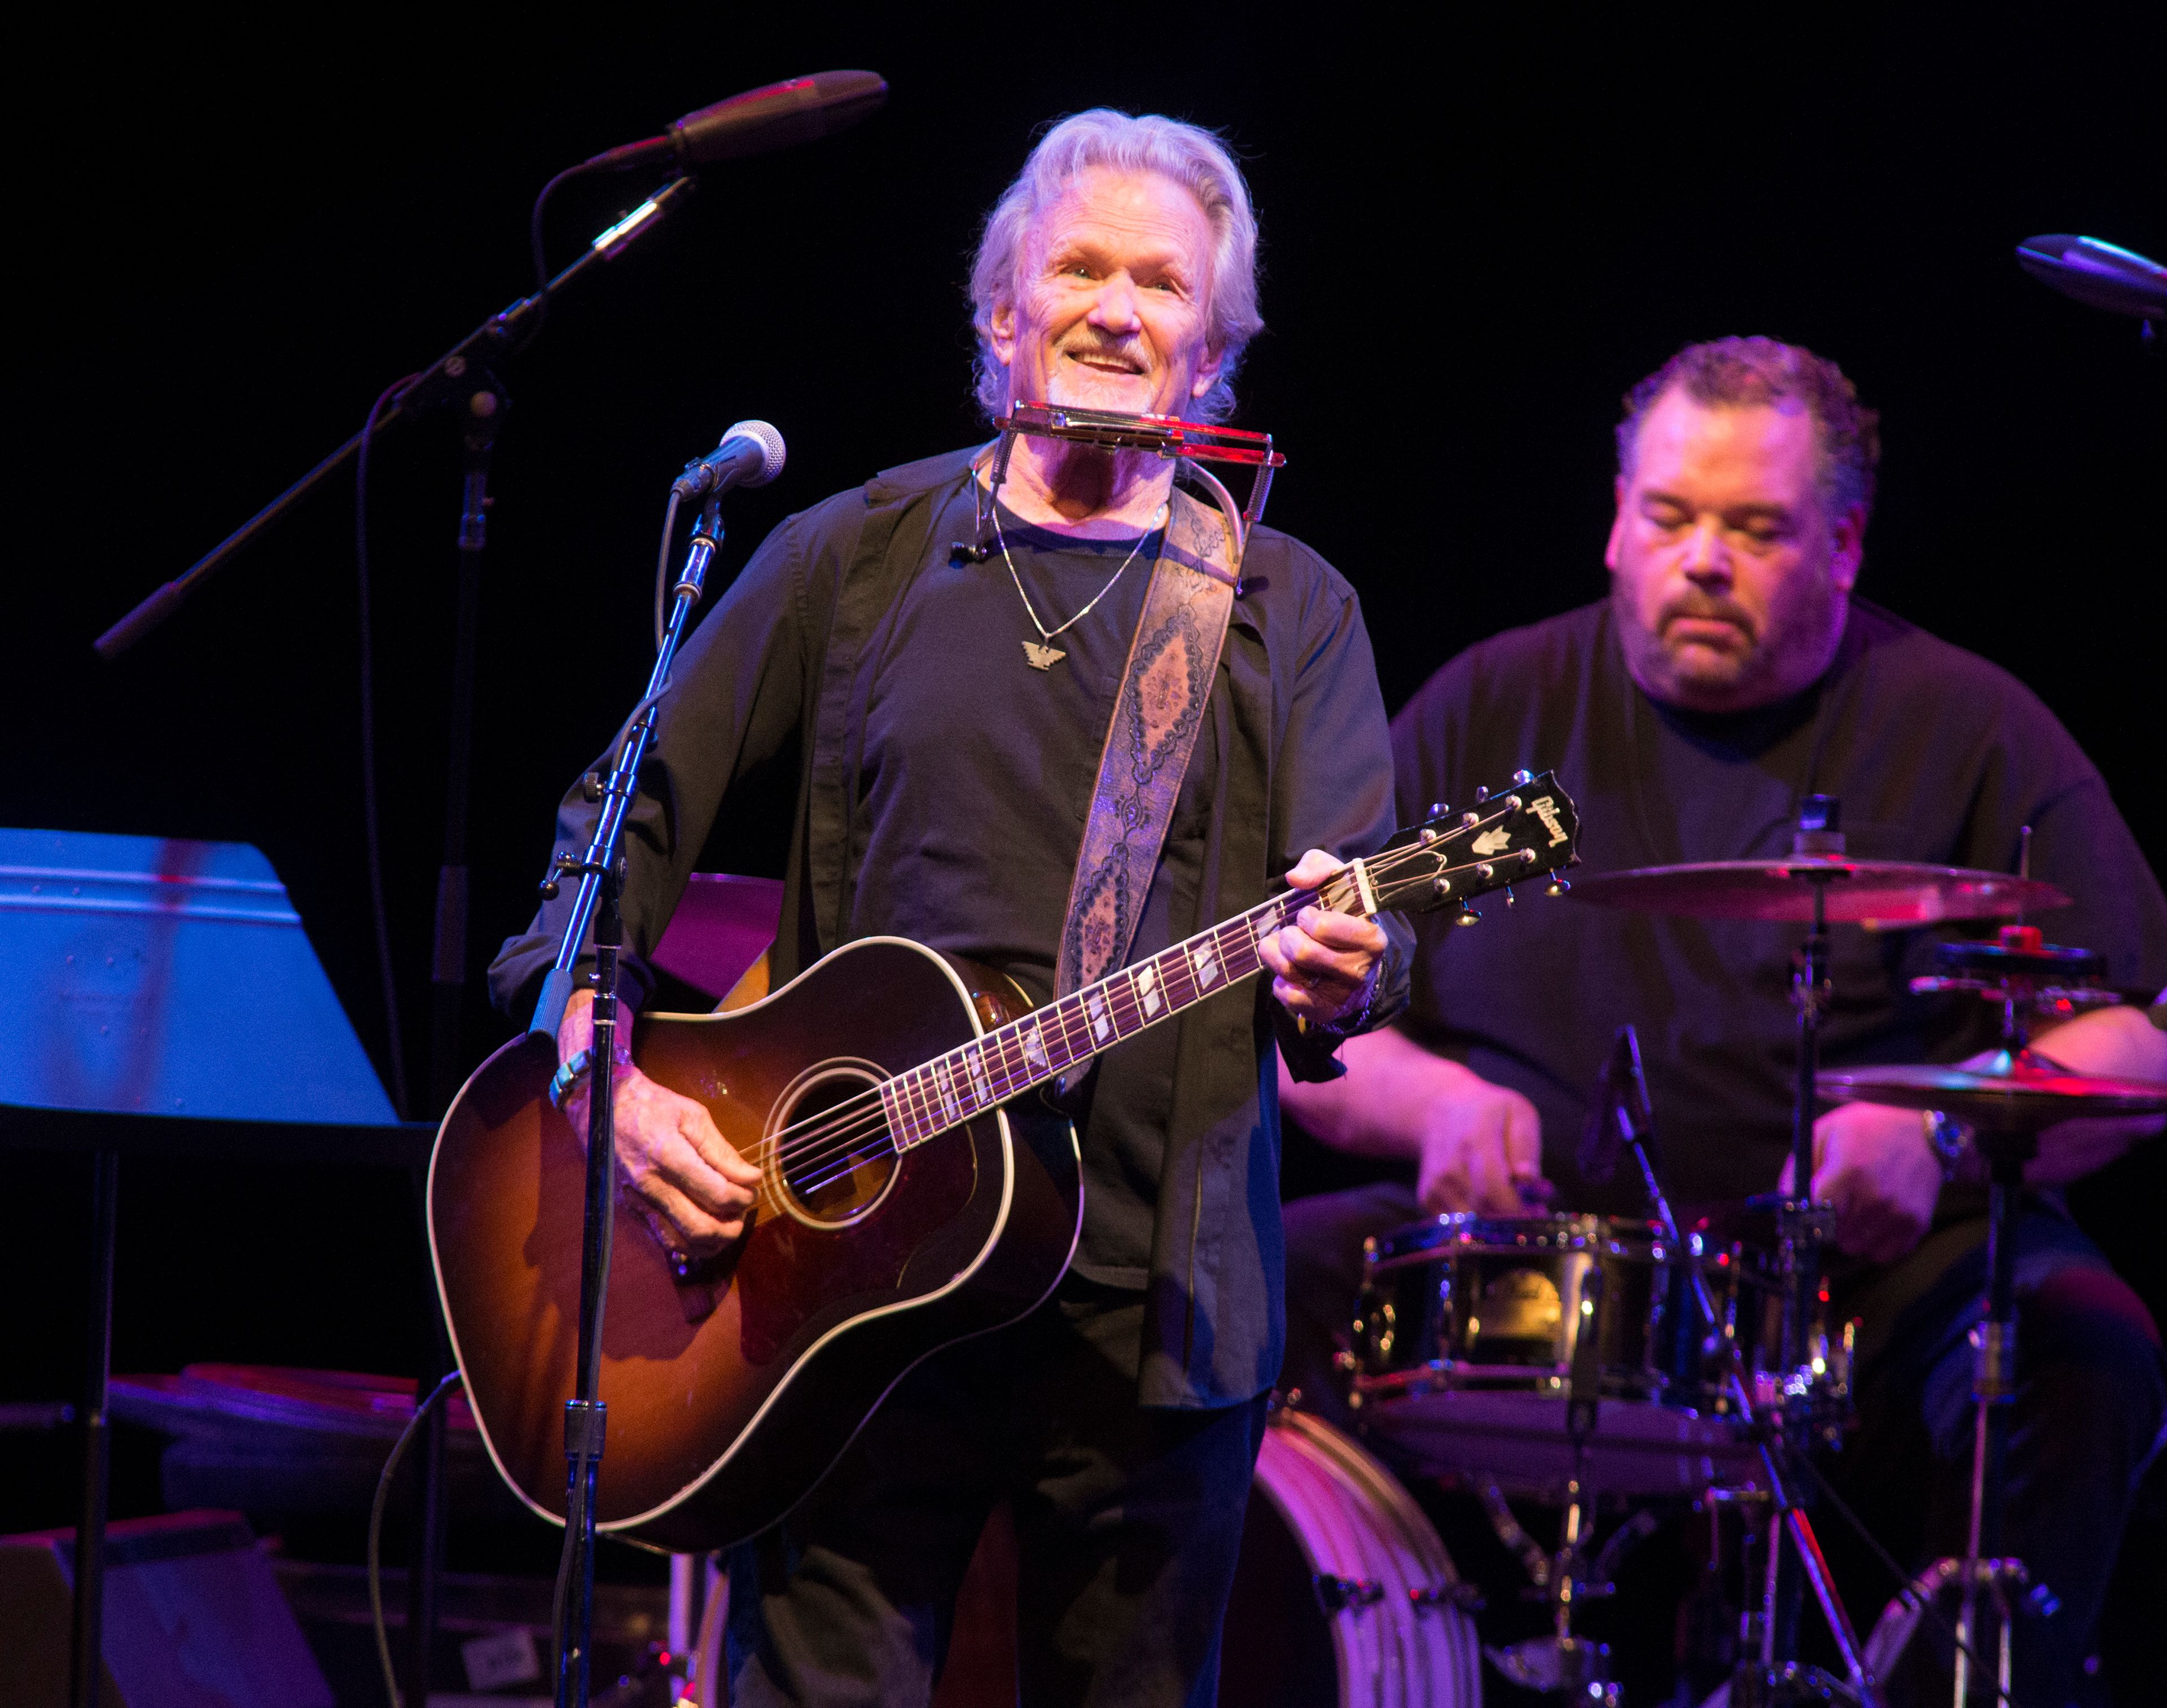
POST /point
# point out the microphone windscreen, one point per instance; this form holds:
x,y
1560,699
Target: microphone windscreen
x,y
781,115
772,450
2100,275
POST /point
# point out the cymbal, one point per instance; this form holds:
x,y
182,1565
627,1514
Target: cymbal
x,y
2012,1093
1867,892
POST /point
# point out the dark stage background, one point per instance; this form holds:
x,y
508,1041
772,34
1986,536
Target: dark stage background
x,y
227,240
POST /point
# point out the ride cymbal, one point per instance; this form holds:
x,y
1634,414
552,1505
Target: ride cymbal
x,y
1867,892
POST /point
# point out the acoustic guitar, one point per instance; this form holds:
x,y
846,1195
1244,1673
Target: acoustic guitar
x,y
915,1193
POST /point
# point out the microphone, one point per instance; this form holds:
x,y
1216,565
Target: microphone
x,y
781,115
751,454
1620,1113
2097,274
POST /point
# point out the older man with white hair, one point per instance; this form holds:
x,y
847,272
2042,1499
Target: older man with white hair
x,y
943,658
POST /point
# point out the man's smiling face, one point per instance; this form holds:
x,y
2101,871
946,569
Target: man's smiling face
x,y
1110,309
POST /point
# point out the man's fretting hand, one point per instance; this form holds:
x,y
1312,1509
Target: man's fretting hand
x,y
675,1170
1324,963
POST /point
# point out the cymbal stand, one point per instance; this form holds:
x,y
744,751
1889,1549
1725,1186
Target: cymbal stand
x,y
2004,1582
2023,974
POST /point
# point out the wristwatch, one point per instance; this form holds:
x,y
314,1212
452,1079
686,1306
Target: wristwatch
x,y
1950,1138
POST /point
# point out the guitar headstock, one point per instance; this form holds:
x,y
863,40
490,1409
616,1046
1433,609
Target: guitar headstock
x,y
1530,831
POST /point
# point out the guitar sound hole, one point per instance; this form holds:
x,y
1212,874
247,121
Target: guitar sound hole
x,y
834,1155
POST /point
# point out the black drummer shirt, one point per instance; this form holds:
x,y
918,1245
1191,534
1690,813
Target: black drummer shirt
x,y
1935,754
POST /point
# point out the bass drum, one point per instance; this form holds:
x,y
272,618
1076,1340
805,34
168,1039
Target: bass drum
x,y
1343,1595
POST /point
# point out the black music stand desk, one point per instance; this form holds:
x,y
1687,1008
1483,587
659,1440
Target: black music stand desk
x,y
174,1007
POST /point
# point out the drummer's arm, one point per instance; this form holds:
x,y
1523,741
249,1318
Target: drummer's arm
x,y
1475,1146
2119,1043
1378,1107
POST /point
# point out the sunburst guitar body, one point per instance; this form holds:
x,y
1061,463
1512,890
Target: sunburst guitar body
x,y
917,1188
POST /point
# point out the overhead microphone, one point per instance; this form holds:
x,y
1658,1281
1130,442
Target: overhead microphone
x,y
751,454
780,115
2100,275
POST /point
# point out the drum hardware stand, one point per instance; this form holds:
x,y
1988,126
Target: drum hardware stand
x,y
1562,1663
1771,1677
601,872
2008,1585
2024,974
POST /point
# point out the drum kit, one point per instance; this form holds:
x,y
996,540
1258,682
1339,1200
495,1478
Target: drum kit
x,y
1560,1357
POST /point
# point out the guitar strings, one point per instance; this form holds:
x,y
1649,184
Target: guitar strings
x,y
833,1140
803,1149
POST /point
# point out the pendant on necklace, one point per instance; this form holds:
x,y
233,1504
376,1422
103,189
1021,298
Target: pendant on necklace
x,y
1042,658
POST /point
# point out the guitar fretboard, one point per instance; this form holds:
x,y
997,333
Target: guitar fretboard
x,y
929,1099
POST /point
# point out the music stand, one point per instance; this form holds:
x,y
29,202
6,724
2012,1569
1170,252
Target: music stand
x,y
177,1007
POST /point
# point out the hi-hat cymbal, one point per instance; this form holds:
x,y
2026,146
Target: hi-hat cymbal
x,y
1873,893
2011,1093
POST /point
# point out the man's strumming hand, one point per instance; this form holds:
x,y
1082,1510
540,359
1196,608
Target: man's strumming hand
x,y
675,1170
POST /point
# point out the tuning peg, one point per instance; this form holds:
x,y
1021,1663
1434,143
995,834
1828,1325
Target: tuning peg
x,y
1466,916
1482,793
1439,809
1522,778
1508,896
1556,886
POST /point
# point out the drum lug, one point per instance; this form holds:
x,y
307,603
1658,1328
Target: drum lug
x,y
1339,1593
1464,1596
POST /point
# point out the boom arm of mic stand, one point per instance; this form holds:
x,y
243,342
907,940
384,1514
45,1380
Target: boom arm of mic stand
x,y
607,844
494,337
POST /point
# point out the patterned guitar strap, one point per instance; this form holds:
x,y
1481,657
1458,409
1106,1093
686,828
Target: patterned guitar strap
x,y
1158,715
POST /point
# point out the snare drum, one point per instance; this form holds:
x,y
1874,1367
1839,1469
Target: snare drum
x,y
1464,1339
1493,1304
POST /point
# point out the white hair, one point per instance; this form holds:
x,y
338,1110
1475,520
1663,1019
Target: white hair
x,y
1188,154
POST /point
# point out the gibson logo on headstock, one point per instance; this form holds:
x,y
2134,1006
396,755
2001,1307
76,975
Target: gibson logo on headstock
x,y
1546,809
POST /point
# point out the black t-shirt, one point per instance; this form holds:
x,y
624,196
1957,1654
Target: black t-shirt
x,y
958,712
1935,755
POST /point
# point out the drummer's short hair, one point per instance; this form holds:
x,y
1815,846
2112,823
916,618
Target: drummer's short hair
x,y
1193,157
1741,372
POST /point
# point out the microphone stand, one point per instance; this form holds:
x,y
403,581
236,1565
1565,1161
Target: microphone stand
x,y
601,872
460,380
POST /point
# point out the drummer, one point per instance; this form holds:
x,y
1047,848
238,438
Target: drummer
x,y
1731,673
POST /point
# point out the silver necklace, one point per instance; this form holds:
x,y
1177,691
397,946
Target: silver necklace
x,y
1043,654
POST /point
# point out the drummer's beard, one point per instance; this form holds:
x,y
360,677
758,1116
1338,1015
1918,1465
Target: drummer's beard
x,y
1676,659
